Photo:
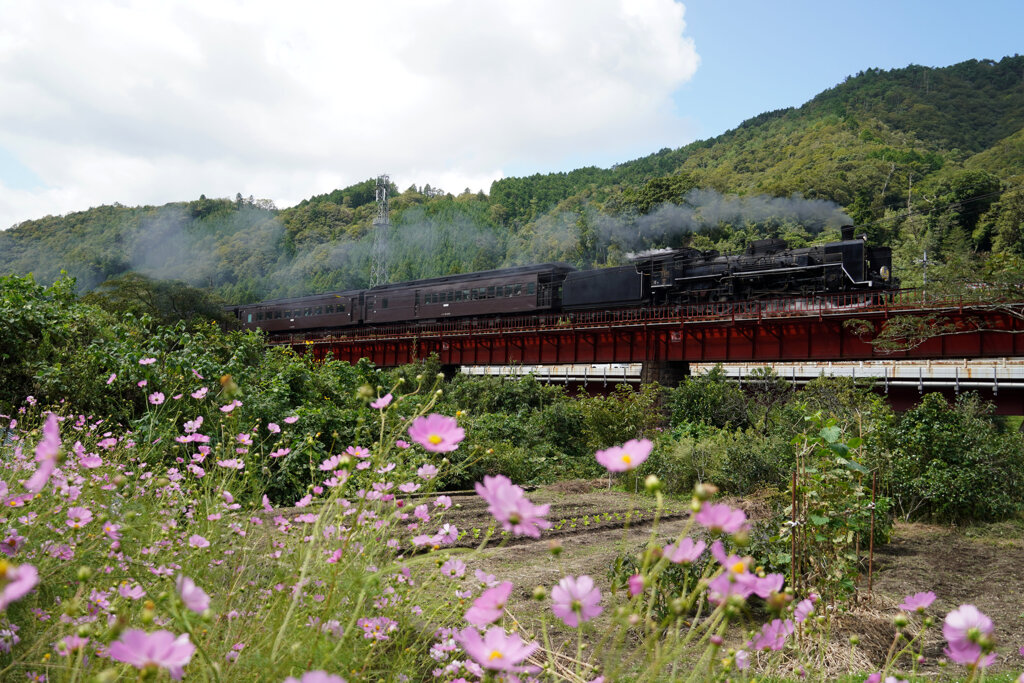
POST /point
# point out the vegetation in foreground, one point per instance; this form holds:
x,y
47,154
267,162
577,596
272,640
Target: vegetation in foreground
x,y
167,488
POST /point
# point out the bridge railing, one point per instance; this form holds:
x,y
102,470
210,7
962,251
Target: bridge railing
x,y
840,304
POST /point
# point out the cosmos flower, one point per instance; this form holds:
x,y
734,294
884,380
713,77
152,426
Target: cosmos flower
x,y
197,541
918,602
496,650
156,398
626,457
773,635
79,517
427,472
47,451
381,402
17,581
509,505
315,677
159,648
575,600
454,568
685,552
273,428
963,629
194,597
489,607
291,420
720,518
147,361
200,393
437,433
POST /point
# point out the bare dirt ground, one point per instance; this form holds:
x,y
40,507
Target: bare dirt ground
x,y
978,565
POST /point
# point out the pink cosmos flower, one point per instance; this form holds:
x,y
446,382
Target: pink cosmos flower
x,y
230,406
773,635
79,517
489,607
17,581
804,609
636,585
147,361
47,451
280,452
401,443
315,677
427,472
721,519
142,382
194,597
625,457
454,568
110,380
233,463
742,660
685,552
159,648
112,531
200,393
156,398
575,600
197,541
509,505
963,628
273,428
291,420
918,602
496,650
381,402
437,433
737,579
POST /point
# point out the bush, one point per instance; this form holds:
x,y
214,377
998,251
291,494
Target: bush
x,y
710,399
953,463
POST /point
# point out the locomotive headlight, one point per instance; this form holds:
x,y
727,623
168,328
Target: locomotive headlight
x,y
884,272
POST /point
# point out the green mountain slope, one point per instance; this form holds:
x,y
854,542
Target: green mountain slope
x,y
923,158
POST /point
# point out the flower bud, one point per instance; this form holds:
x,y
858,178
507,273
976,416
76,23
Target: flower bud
x,y
555,548
678,605
634,619
854,640
741,538
106,676
716,640
652,483
901,621
84,573
539,593
703,491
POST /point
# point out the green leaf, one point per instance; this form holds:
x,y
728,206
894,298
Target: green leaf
x,y
818,520
830,434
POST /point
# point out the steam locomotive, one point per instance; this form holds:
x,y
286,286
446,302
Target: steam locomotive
x,y
766,269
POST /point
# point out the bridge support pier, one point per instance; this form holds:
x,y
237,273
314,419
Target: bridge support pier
x,y
667,373
449,372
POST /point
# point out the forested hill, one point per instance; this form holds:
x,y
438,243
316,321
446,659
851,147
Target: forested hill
x,y
924,158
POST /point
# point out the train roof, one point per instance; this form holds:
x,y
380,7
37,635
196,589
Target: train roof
x,y
300,299
559,268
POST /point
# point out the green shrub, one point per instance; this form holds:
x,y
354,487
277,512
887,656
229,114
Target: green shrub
x,y
953,463
711,398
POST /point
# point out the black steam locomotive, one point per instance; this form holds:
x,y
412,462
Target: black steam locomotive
x,y
767,269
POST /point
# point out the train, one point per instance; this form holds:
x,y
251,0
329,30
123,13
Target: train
x,y
767,268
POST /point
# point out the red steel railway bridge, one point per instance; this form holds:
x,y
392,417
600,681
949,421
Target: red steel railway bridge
x,y
828,328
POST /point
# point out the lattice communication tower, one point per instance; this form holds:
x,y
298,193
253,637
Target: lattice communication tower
x,y
379,258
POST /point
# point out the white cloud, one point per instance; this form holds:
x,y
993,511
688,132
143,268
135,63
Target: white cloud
x,y
141,102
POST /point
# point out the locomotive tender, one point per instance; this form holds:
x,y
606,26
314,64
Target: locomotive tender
x,y
767,269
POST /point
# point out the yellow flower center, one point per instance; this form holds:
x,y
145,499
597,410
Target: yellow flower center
x,y
739,567
627,459
434,439
494,655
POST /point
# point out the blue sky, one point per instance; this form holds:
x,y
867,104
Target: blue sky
x,y
146,103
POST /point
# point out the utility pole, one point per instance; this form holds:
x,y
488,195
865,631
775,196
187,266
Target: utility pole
x,y
923,262
379,257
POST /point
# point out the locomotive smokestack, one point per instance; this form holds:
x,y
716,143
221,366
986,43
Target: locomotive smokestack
x,y
847,232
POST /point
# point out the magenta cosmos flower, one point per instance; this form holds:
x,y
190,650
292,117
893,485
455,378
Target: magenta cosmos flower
x,y
685,552
963,629
575,600
625,457
721,519
194,597
509,505
772,636
315,677
17,581
489,607
159,649
382,402
437,433
918,602
496,650
46,455
79,517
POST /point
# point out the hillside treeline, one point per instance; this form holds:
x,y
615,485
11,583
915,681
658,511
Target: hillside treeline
x,y
927,160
